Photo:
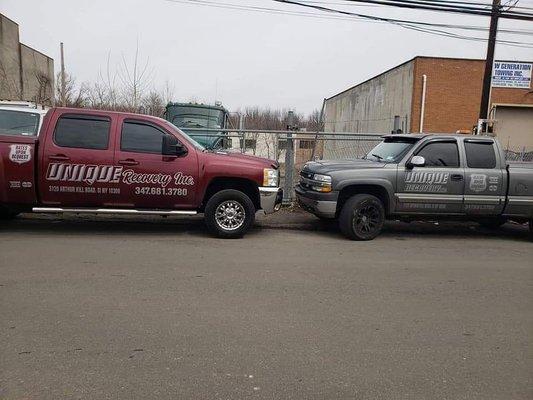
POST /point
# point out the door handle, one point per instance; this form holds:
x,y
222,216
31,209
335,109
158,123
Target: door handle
x,y
128,161
457,177
59,157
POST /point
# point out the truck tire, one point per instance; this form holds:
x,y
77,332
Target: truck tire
x,y
362,217
229,214
6,213
492,223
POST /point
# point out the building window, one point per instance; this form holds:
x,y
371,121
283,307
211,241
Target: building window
x,y
306,144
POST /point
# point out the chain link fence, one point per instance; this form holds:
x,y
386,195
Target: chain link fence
x,y
517,153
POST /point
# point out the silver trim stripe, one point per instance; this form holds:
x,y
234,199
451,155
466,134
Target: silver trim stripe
x,y
423,198
484,199
520,200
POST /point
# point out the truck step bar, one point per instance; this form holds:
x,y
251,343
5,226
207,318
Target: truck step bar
x,y
58,210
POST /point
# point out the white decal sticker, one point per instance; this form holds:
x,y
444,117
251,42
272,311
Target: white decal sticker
x,y
20,153
91,174
14,184
438,178
83,173
430,182
27,184
478,182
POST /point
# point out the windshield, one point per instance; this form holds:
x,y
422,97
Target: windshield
x,y
185,136
192,117
391,150
19,123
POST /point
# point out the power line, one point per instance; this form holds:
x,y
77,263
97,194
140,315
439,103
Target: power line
x,y
434,6
413,25
346,16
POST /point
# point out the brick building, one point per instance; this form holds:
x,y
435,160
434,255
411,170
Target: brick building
x,y
25,73
450,102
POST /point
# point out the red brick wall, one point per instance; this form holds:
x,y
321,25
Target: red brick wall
x,y
453,94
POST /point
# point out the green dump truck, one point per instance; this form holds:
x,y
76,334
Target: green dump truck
x,y
191,118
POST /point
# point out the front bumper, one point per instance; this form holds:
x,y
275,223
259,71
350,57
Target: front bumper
x,y
271,198
321,204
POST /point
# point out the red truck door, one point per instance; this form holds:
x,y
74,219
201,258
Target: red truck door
x,y
149,178
77,168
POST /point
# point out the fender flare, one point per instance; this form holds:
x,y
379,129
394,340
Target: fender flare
x,y
378,182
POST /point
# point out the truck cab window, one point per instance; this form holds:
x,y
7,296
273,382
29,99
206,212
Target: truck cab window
x,y
82,132
440,154
141,138
480,155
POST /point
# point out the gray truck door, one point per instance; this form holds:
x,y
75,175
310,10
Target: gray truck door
x,y
438,186
484,185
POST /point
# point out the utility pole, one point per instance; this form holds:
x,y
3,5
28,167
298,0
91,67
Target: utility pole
x,y
489,62
289,160
63,99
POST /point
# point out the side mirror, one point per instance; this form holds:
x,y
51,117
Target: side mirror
x,y
172,147
416,161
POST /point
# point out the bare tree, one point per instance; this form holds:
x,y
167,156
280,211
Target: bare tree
x,y
9,82
136,80
44,91
75,95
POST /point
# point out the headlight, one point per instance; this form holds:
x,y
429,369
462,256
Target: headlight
x,y
270,177
324,183
322,178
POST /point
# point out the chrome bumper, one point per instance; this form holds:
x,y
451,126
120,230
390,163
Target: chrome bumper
x,y
271,198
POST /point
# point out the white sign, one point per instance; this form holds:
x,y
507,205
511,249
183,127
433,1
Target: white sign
x,y
511,74
20,153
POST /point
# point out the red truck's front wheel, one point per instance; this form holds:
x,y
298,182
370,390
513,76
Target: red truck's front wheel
x,y
229,214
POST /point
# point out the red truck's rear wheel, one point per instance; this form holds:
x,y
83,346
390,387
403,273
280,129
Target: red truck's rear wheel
x,y
229,214
6,213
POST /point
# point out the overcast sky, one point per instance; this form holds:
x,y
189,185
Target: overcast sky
x,y
241,58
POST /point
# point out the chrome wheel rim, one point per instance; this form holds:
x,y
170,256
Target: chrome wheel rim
x,y
366,219
230,215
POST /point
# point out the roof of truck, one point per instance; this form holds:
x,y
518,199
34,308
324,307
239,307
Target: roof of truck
x,y
23,109
419,136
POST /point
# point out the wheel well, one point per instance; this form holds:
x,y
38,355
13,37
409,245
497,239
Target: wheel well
x,y
375,190
244,185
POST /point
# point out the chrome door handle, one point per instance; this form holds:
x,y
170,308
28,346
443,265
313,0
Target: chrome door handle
x,y
128,161
457,177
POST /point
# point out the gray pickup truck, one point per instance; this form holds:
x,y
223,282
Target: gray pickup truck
x,y
419,176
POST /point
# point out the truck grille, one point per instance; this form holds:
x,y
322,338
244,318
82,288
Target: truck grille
x,y
306,179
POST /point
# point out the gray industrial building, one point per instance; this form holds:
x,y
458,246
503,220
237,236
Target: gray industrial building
x,y
25,73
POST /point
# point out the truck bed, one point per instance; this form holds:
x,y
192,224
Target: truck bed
x,y
520,194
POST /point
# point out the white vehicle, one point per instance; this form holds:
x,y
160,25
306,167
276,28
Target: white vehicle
x,y
20,121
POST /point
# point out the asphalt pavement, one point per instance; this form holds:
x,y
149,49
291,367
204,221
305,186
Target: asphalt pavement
x,y
152,308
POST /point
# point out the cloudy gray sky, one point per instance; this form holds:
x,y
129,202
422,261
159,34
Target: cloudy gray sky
x,y
239,57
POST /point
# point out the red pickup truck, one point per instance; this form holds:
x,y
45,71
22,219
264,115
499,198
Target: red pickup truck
x,y
89,161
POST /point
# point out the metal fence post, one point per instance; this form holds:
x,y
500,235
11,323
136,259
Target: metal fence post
x,y
289,161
